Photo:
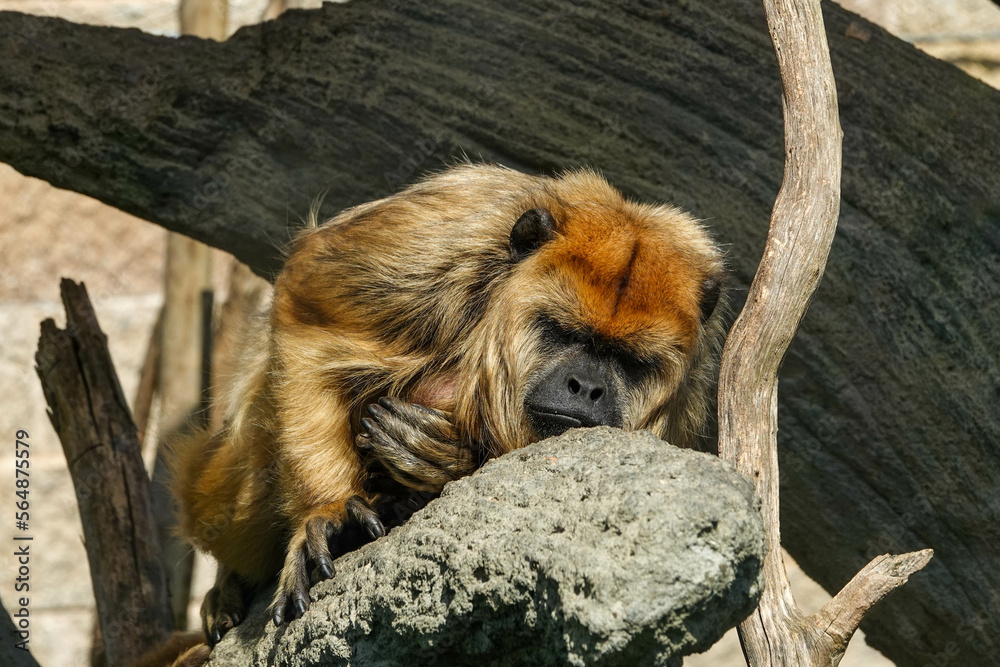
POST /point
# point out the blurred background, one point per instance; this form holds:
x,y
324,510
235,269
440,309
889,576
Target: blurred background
x,y
123,263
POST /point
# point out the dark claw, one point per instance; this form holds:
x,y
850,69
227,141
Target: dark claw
x,y
359,510
374,527
367,424
325,568
300,607
279,614
214,637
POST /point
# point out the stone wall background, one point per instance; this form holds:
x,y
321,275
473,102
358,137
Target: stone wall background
x,y
46,233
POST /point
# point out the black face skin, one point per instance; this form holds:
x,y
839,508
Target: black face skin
x,y
580,390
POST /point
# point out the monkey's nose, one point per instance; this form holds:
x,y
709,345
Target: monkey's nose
x,y
587,389
578,392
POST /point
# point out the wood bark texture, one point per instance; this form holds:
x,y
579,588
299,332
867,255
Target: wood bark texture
x,y
803,224
94,424
888,422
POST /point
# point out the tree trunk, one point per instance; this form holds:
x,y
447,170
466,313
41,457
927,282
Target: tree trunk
x,y
888,421
94,424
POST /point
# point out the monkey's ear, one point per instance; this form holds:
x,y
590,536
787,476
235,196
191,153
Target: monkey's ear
x,y
531,230
711,288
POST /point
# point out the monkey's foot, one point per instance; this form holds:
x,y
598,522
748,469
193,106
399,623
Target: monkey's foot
x,y
224,606
418,446
310,545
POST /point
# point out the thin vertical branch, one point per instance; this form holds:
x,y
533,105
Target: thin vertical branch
x,y
803,223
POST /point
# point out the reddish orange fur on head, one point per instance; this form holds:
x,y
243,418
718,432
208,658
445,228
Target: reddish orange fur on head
x,y
629,283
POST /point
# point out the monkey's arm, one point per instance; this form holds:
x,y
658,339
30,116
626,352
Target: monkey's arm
x,y
418,446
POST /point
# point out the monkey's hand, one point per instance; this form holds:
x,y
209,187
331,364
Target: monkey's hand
x,y
419,447
310,544
224,605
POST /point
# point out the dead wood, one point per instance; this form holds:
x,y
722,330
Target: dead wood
x,y
94,424
803,224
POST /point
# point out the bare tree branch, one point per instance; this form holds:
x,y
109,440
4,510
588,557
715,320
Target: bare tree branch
x,y
803,223
841,616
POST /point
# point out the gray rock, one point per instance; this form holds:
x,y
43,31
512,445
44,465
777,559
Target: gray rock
x,y
598,547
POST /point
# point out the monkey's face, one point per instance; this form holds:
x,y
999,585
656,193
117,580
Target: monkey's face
x,y
579,387
604,319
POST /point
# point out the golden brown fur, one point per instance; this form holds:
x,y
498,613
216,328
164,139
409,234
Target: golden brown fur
x,y
181,649
417,297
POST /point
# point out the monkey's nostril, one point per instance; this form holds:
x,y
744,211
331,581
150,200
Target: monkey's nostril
x,y
596,394
574,385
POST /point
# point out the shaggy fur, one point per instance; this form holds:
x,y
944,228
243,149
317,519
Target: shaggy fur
x,y
419,297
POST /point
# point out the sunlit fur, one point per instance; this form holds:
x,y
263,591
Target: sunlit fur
x,y
417,296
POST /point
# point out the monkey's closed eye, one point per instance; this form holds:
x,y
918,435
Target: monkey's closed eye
x,y
531,230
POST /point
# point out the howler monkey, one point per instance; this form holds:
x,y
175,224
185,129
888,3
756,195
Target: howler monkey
x,y
473,313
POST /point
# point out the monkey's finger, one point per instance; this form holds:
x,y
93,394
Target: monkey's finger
x,y
407,424
395,403
278,605
213,633
435,424
397,458
220,625
319,530
231,603
361,511
363,443
292,597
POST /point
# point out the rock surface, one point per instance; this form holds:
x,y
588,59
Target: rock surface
x,y
598,547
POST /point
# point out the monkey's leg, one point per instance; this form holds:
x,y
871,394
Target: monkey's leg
x,y
418,446
310,545
225,605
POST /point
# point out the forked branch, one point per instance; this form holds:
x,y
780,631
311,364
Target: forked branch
x,y
803,223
